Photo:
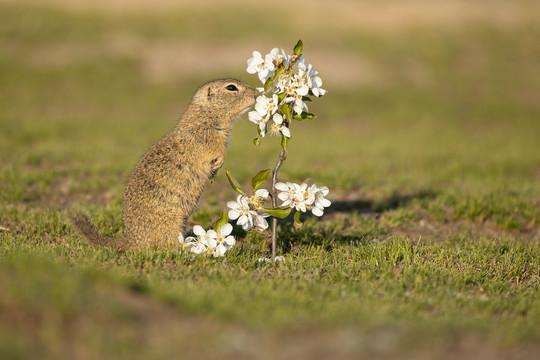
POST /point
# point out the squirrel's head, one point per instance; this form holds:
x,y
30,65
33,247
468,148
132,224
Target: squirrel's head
x,y
226,98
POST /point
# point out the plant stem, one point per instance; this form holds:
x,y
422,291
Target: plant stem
x,y
282,156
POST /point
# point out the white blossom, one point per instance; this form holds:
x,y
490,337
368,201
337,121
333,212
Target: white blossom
x,y
282,83
303,198
286,191
221,241
196,245
192,244
296,89
245,216
202,235
299,106
260,221
255,117
186,242
208,242
320,201
299,84
297,81
257,200
183,240
262,193
279,127
266,106
315,87
263,67
313,81
292,195
305,193
279,59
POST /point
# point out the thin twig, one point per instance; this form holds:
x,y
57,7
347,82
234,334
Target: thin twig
x,y
281,158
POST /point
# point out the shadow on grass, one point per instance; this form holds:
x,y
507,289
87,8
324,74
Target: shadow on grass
x,y
377,206
346,230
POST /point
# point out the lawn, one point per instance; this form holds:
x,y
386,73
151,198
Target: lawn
x,y
427,139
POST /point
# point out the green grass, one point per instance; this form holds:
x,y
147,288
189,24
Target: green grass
x,y
460,286
432,164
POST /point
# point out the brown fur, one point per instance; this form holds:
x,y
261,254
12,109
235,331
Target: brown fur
x,y
166,184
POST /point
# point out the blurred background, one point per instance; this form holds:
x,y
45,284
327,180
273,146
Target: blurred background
x,y
431,101
423,96
429,130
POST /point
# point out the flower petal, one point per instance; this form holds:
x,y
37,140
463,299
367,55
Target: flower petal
x,y
287,203
316,211
242,220
212,242
323,190
220,250
234,214
230,240
198,230
324,202
197,248
283,196
233,205
263,193
262,127
254,116
261,222
278,119
226,229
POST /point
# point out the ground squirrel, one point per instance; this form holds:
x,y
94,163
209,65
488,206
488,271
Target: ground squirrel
x,y
167,182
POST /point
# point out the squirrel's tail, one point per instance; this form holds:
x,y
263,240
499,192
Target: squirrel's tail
x,y
88,230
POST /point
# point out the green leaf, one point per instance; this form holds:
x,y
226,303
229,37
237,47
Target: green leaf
x,y
221,221
279,212
281,96
257,141
278,72
297,223
269,83
304,116
262,245
284,142
233,183
286,110
298,48
260,178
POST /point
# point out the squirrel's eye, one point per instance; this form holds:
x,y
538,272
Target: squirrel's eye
x,y
231,87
